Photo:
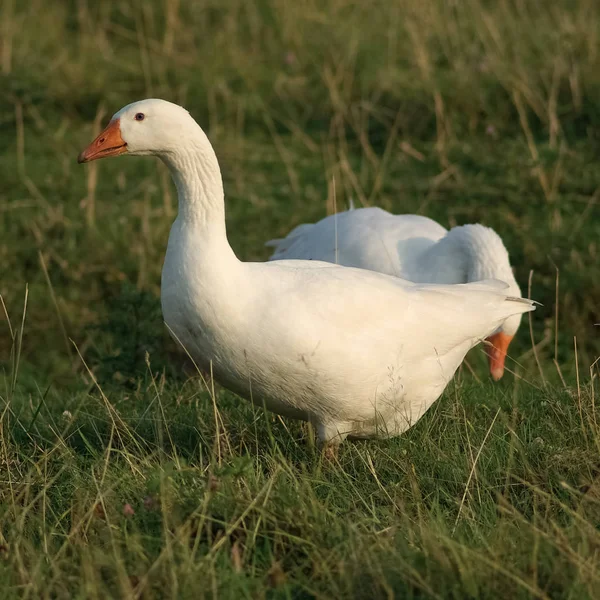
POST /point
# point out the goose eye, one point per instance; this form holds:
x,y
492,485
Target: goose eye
x,y
139,116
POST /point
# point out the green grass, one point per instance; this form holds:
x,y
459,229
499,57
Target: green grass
x,y
121,473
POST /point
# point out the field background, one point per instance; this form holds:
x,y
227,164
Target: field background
x,y
121,475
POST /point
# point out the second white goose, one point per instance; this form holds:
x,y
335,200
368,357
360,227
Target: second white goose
x,y
411,247
355,352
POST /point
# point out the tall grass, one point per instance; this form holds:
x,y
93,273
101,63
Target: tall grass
x,y
120,474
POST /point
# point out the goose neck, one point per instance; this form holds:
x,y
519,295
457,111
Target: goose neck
x,y
486,255
470,253
197,176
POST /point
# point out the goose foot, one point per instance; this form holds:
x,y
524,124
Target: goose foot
x,y
330,452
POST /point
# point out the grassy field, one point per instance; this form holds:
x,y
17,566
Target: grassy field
x,y
122,473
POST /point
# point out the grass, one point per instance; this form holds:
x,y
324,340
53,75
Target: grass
x,y
121,473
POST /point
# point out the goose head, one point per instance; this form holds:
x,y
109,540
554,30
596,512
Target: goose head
x,y
482,255
148,127
489,260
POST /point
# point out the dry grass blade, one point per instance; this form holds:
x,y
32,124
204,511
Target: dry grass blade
x,y
471,473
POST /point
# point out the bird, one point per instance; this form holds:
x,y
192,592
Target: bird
x,y
412,247
356,353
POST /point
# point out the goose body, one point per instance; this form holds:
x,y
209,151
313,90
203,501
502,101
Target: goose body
x,y
412,247
355,352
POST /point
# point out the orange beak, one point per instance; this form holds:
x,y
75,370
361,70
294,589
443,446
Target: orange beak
x,y
497,353
108,143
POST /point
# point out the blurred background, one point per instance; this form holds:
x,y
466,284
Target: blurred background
x,y
463,111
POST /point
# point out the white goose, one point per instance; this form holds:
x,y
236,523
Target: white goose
x,y
412,247
355,352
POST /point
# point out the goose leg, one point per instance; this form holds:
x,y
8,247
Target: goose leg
x,y
330,436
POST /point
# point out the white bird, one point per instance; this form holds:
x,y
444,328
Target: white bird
x,y
411,247
354,352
